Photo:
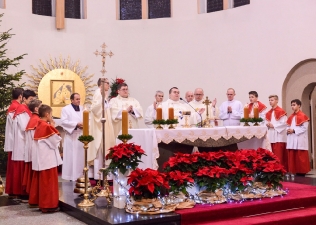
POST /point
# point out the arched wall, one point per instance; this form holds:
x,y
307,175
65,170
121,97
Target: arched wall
x,y
248,48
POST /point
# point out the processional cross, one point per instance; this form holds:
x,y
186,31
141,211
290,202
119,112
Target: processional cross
x,y
207,102
104,54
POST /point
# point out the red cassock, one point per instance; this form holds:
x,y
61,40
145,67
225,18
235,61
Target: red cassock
x,y
44,188
27,177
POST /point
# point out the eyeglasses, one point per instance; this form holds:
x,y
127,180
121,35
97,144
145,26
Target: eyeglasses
x,y
198,94
107,82
123,89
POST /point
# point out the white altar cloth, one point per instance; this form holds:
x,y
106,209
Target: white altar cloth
x,y
148,139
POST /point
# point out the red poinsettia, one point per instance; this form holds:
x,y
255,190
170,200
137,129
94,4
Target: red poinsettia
x,y
119,80
124,156
147,183
179,181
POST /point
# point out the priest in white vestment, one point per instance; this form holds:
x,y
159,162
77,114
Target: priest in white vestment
x,y
179,106
95,154
150,112
73,154
189,96
231,110
124,102
197,104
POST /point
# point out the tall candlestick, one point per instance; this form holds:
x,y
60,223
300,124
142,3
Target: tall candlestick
x,y
171,113
246,112
85,131
124,122
255,112
159,113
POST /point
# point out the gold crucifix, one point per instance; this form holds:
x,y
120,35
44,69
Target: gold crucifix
x,y
207,102
104,54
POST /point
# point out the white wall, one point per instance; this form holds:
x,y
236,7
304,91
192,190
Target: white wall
x,y
249,48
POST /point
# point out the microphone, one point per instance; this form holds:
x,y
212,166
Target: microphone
x,y
194,110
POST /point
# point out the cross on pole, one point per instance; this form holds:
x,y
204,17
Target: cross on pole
x,y
207,102
104,54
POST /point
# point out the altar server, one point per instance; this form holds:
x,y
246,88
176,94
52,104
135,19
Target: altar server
x,y
297,140
197,104
73,154
21,118
30,143
17,95
95,155
179,106
254,102
275,120
231,110
150,112
124,102
44,188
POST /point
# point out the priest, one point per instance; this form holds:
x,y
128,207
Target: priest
x,y
17,95
21,118
254,102
231,110
150,112
197,104
297,140
95,155
275,120
73,154
189,96
124,102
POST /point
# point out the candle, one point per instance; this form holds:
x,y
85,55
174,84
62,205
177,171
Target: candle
x,y
246,112
255,112
159,113
124,122
85,131
171,113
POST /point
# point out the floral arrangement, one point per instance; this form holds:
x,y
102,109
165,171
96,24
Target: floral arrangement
x,y
214,170
147,183
114,85
124,157
179,181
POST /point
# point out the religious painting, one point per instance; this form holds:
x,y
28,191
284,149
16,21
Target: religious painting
x,y
60,91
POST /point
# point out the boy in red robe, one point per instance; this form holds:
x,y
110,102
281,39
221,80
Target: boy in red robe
x,y
17,94
44,188
29,143
276,122
253,98
297,140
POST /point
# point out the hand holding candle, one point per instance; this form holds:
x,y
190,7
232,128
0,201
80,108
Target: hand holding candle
x,y
85,131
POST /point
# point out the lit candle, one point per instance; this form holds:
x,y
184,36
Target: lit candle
x,y
85,131
124,122
171,113
159,113
246,112
255,112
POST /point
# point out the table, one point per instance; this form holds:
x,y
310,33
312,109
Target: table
x,y
246,137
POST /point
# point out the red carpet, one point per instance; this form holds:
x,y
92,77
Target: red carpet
x,y
235,213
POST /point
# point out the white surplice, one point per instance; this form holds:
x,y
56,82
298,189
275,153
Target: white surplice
x,y
233,118
9,133
29,145
19,124
150,116
299,139
212,111
277,134
73,152
117,105
46,155
95,154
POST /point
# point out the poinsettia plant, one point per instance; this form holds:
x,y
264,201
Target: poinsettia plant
x,y
147,183
180,181
114,85
124,157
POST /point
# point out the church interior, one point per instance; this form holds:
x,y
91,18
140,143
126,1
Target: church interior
x,y
153,45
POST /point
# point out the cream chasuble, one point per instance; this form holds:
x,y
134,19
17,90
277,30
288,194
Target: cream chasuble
x,y
117,105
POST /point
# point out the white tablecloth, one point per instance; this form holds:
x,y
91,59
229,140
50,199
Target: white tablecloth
x,y
149,139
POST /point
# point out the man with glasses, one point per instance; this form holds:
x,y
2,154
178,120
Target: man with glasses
x,y
150,112
95,156
231,110
124,102
197,104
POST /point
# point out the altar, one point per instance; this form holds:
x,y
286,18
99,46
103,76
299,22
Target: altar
x,y
159,145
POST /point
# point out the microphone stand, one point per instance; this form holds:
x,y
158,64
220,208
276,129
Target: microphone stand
x,y
194,110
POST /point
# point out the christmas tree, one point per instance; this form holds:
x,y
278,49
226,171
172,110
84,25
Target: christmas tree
x,y
8,81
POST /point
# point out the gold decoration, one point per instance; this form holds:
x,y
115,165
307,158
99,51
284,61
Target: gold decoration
x,y
56,80
104,54
207,123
